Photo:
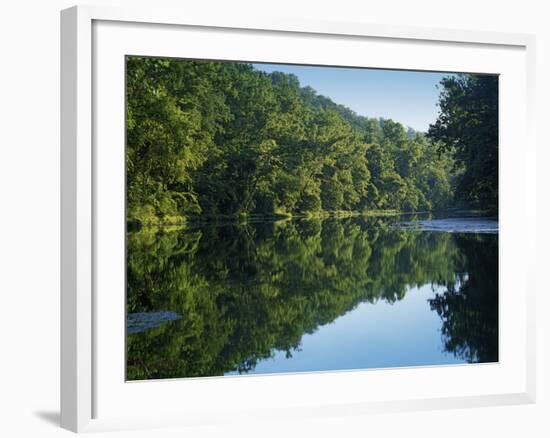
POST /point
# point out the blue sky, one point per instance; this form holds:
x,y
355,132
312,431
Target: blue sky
x,y
408,97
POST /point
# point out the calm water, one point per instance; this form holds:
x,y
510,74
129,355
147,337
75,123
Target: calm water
x,y
311,295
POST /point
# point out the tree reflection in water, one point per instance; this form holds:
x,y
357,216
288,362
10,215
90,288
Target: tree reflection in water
x,y
244,291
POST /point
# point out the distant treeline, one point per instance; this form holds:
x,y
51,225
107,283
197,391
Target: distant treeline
x,y
209,139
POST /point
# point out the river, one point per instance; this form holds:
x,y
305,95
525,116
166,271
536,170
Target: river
x,y
280,296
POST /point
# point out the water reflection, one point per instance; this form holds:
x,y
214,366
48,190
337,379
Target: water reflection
x,y
253,294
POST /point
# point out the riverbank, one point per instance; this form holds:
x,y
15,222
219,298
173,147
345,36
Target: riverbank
x,y
168,223
179,221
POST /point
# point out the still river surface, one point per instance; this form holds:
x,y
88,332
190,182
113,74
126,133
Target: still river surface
x,y
312,295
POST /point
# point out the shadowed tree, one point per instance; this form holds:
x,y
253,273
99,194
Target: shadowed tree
x,y
467,126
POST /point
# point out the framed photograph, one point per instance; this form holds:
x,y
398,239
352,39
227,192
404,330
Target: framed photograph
x,y
283,218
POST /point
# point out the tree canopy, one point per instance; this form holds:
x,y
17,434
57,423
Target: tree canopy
x,y
209,139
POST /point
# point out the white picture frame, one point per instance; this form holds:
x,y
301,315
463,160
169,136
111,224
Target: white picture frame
x,y
92,42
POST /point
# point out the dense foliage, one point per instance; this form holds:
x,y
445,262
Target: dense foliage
x,y
208,138
468,128
246,291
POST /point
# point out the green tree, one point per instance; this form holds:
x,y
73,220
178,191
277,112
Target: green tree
x,y
468,127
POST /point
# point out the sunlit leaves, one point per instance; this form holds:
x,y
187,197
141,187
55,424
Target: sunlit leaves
x,y
211,139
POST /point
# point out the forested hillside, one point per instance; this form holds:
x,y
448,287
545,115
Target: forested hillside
x,y
209,139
